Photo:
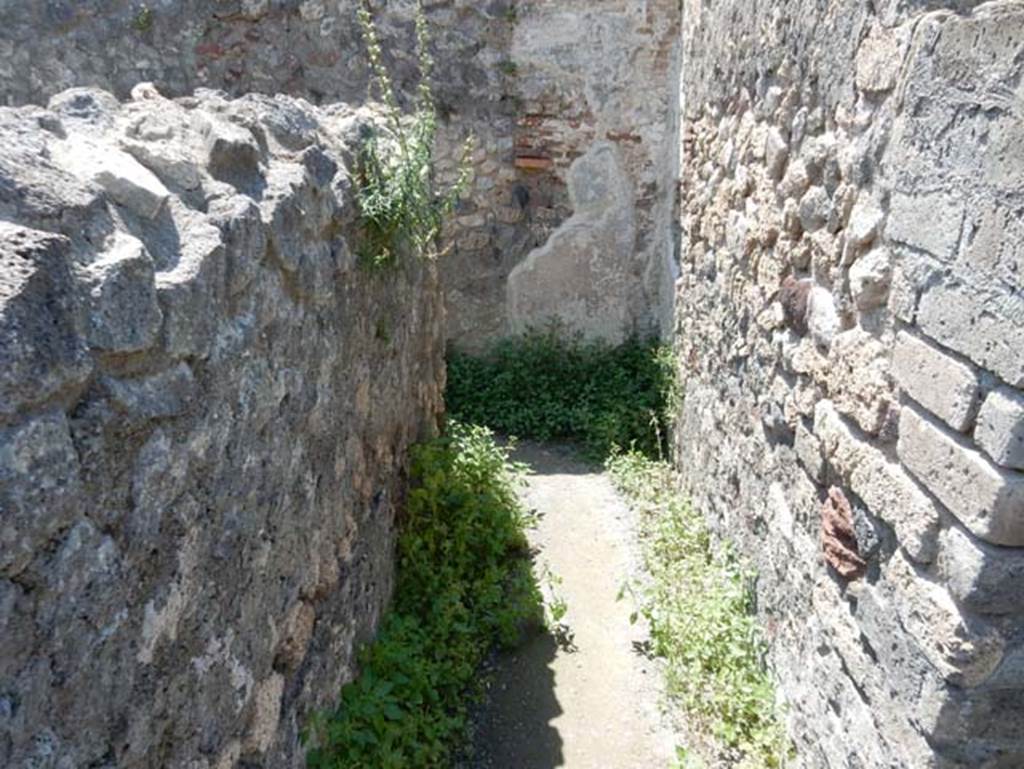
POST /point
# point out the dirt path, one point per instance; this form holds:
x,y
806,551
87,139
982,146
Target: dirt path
x,y
596,707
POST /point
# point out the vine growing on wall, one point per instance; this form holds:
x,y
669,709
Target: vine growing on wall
x,y
402,205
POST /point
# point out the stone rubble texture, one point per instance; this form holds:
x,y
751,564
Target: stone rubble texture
x,y
202,444
203,432
850,326
512,74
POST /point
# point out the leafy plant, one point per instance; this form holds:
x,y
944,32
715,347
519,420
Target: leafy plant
x,y
402,208
545,386
464,583
700,608
142,22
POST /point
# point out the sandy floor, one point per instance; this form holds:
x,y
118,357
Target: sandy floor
x,y
596,707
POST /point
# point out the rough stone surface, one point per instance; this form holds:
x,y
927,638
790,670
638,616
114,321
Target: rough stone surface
x,y
986,499
850,252
203,437
512,74
942,384
1000,429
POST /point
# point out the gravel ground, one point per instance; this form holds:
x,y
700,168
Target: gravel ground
x,y
597,703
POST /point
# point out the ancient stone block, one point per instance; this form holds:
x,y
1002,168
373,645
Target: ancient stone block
x,y
822,317
870,277
981,321
858,378
39,488
878,61
985,579
123,312
866,220
123,178
815,207
776,154
41,354
987,499
165,394
939,382
1000,428
930,222
965,649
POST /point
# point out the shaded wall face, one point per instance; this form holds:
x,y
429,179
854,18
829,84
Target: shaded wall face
x,y
539,84
205,413
852,340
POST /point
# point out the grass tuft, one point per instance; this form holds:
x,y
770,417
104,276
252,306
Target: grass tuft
x,y
699,604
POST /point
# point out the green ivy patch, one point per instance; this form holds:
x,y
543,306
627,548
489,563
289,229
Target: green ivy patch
x,y
547,386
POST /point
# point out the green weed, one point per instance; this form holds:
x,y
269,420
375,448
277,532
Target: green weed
x,y
401,206
544,386
464,584
700,609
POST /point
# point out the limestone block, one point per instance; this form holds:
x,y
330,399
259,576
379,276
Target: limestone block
x,y
966,650
942,384
822,317
123,312
985,579
929,221
815,207
166,394
865,223
988,500
1000,429
39,488
41,354
859,382
982,321
870,278
124,179
878,61
776,154
884,486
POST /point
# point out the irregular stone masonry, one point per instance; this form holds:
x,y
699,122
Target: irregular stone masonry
x,y
205,410
538,84
850,335
849,318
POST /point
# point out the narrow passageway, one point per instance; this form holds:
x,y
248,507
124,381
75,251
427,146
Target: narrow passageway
x,y
594,705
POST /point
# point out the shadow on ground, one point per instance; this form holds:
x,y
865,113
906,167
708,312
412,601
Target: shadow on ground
x,y
515,730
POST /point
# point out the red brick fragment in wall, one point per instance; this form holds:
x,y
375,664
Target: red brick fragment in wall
x,y
838,541
530,163
210,50
793,295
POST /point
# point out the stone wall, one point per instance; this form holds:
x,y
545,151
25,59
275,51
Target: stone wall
x,y
205,410
538,83
851,330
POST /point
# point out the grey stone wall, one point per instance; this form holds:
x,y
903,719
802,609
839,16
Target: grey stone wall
x,y
205,410
539,84
851,330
